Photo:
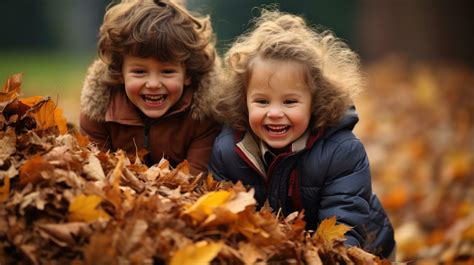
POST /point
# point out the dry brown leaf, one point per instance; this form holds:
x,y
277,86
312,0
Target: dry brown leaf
x,y
8,144
251,254
93,168
63,234
13,83
362,257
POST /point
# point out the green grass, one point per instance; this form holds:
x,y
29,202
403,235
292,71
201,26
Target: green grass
x,y
58,75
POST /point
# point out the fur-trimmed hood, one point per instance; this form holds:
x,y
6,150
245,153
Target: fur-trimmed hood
x,y
95,95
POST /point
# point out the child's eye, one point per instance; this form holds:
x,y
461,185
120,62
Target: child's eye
x,y
290,101
138,71
261,101
168,71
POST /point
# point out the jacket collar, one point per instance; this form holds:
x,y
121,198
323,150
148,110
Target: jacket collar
x,y
254,149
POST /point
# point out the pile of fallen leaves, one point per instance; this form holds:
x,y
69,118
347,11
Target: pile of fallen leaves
x,y
63,201
417,124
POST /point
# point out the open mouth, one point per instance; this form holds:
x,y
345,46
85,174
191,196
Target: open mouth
x,y
277,129
154,98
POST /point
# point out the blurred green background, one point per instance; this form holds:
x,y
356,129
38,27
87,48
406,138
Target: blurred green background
x,y
53,41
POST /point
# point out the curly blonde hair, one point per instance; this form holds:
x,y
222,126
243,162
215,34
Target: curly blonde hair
x,y
332,70
161,29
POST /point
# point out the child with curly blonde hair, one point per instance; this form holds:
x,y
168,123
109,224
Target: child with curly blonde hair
x,y
150,87
288,106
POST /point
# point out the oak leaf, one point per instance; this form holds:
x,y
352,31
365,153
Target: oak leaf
x,y
328,231
84,208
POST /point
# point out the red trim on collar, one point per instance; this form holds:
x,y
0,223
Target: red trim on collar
x,y
314,137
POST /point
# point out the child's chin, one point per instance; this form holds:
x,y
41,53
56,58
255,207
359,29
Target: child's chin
x,y
154,114
277,145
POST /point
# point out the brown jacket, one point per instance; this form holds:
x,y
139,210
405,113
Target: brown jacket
x,y
185,132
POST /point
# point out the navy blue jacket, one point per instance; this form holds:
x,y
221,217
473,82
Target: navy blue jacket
x,y
330,170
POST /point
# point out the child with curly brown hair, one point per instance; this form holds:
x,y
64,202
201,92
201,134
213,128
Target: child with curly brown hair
x,y
288,106
151,85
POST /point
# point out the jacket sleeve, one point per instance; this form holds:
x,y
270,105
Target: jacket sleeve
x,y
223,146
96,131
347,190
200,147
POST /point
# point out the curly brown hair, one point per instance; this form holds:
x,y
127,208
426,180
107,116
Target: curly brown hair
x,y
332,70
160,29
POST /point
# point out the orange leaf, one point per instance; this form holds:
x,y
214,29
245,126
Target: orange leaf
x,y
5,189
84,208
328,231
82,140
31,101
44,111
60,120
30,171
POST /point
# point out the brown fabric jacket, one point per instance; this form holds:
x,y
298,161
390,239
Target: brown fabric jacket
x,y
185,132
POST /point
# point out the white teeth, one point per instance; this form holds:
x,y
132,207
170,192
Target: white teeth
x,y
154,97
277,128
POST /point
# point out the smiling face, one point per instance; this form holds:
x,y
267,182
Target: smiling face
x,y
279,101
153,86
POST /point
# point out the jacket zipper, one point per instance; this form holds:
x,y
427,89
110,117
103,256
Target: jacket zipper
x,y
147,133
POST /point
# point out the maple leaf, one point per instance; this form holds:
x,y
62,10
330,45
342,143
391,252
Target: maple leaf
x,y
328,231
84,208
202,252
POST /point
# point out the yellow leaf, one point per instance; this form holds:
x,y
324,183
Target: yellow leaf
x,y
84,208
205,205
200,253
328,231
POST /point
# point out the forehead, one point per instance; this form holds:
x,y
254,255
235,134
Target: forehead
x,y
277,74
149,61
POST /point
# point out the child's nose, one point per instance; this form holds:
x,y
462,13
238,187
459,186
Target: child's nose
x,y
275,112
153,82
